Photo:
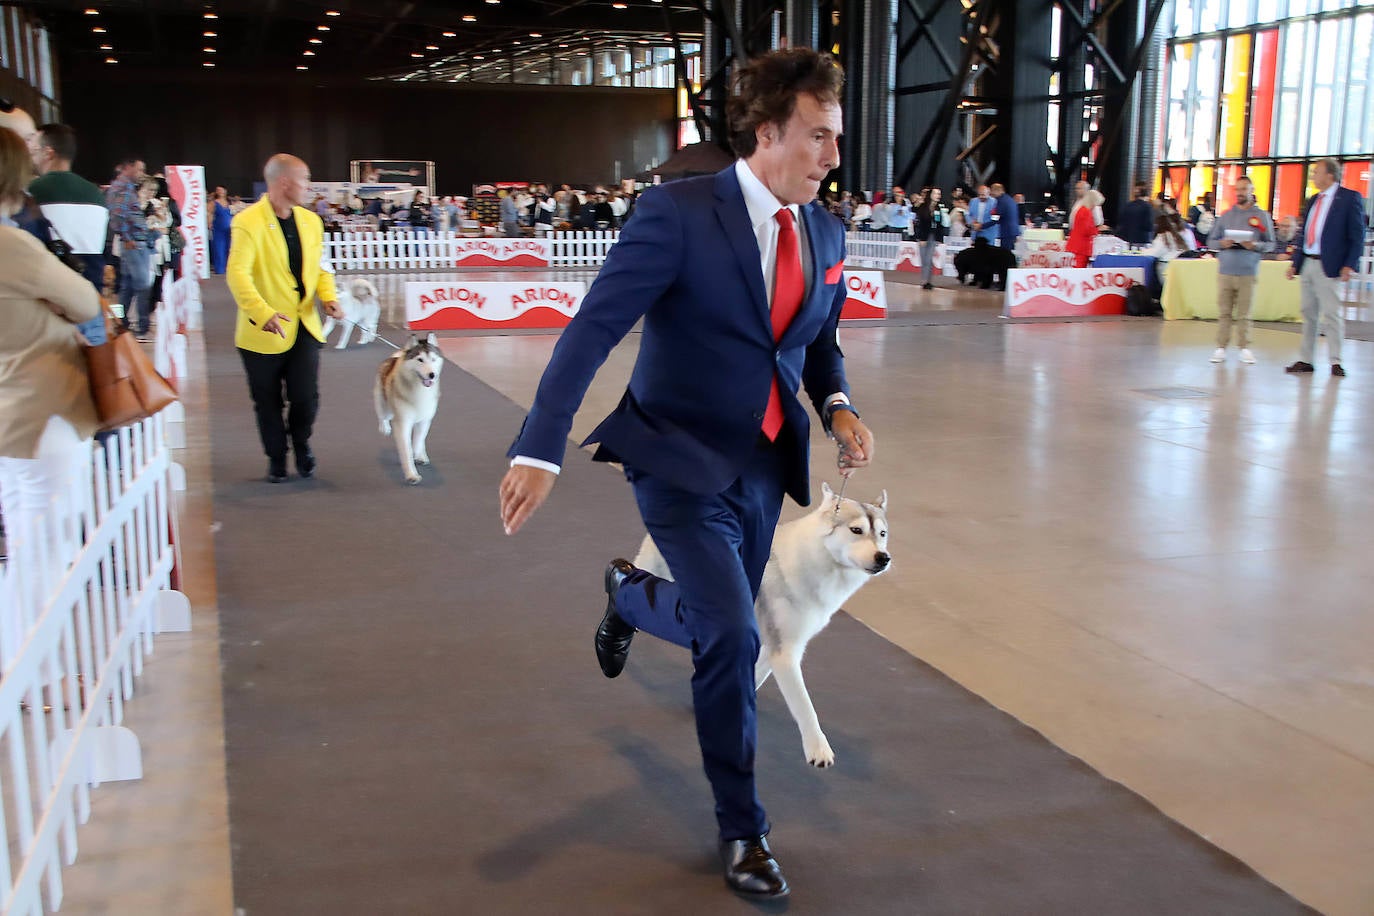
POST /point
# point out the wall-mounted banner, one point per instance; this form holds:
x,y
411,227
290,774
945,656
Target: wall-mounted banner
x,y
460,305
867,294
187,184
1069,292
501,252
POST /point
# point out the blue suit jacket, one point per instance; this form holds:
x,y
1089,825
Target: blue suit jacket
x,y
688,265
1009,222
980,211
1342,240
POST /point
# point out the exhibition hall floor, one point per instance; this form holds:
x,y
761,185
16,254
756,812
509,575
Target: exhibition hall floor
x,y
1156,563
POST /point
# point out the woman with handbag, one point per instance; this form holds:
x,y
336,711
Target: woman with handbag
x,y
46,410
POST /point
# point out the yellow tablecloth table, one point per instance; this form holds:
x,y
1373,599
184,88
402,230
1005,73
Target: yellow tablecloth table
x,y
1190,291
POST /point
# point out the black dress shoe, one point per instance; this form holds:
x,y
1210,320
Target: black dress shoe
x,y
1299,366
276,471
750,868
305,462
613,636
1338,370
927,286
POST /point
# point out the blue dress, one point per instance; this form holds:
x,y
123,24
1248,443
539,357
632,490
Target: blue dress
x,y
219,238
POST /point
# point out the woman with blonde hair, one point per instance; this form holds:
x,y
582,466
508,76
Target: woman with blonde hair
x,y
1083,226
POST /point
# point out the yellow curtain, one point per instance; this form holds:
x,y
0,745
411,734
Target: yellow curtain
x,y
1235,95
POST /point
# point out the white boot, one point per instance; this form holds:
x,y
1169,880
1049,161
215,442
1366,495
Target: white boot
x,y
1219,355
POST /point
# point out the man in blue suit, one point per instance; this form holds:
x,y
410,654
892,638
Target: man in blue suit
x,y
1327,253
982,211
1008,217
738,278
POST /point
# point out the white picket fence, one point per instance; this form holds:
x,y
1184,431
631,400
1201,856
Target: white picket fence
x,y
86,586
412,249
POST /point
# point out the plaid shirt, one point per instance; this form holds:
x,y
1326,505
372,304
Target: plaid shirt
x,y
127,221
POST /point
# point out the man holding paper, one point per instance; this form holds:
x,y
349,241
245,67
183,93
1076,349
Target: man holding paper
x,y
1240,236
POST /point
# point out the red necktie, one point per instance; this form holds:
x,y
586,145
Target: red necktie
x,y
788,286
1312,222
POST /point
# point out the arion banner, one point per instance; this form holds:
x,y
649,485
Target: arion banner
x,y
187,184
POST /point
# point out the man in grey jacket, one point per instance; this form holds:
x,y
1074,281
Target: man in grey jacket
x,y
1240,236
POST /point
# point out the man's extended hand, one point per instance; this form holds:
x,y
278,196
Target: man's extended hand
x,y
1291,272
334,310
855,441
273,325
1347,273
523,490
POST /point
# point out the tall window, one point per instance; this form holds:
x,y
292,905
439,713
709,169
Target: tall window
x,y
1263,87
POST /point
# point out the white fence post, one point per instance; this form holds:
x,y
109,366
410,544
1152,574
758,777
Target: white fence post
x,y
86,586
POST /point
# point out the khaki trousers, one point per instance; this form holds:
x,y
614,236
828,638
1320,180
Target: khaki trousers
x,y
1321,310
1234,295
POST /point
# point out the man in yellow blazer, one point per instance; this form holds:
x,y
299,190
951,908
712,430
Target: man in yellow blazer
x,y
276,268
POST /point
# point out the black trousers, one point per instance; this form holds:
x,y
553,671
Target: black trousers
x,y
297,373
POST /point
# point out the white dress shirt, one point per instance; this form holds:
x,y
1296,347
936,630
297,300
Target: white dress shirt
x,y
1327,198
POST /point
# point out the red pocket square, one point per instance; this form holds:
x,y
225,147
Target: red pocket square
x,y
833,274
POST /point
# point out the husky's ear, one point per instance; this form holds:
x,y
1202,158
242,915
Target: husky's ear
x,y
431,339
826,492
882,501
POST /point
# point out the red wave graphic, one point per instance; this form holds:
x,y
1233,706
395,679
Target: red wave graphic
x,y
858,308
909,266
1044,306
452,319
519,260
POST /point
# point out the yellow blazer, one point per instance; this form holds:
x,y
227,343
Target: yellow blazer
x,y
259,275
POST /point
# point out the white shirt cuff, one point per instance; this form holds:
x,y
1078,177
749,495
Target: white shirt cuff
x,y
535,463
838,397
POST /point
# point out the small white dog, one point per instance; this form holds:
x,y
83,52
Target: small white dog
x,y
406,395
819,561
358,299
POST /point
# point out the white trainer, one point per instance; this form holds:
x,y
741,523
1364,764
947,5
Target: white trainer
x,y
1219,355
1247,357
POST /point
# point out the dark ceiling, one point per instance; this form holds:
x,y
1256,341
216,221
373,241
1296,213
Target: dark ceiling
x,y
364,39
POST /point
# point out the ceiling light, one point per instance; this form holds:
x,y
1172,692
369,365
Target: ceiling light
x,y
620,6
331,12
469,18
211,34
211,16
111,60
322,28
302,67
450,34
98,30
515,42
317,41
107,47
208,63
208,50
563,46
536,34
479,57
416,54
494,2
431,47
308,53
92,12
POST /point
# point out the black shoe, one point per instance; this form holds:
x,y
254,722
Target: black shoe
x,y
751,869
614,634
276,471
1299,366
1337,370
305,462
927,286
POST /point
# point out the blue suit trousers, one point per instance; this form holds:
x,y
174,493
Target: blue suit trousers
x,y
717,547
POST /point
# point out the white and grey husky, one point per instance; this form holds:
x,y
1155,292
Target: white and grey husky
x,y
361,309
818,562
407,396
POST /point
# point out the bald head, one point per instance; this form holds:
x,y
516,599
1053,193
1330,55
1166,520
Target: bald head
x,y
288,181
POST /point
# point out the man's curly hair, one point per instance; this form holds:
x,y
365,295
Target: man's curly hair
x,y
765,91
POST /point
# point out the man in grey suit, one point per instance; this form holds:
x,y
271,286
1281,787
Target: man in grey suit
x,y
1327,254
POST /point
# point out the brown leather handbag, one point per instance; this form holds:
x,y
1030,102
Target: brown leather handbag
x,y
124,385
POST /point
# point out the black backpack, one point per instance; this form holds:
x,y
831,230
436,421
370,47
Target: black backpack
x,y
1140,303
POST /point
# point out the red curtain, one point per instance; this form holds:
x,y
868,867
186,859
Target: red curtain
x,y
1262,99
